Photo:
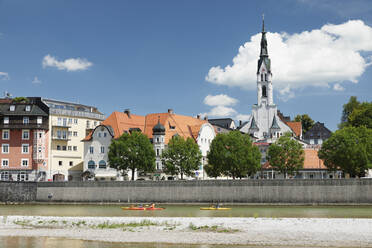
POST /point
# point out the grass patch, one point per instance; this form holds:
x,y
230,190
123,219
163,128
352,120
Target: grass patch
x,y
214,228
144,223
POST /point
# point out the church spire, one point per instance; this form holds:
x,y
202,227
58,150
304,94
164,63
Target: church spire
x,y
264,55
263,40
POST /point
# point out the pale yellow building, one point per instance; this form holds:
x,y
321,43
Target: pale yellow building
x,y
69,123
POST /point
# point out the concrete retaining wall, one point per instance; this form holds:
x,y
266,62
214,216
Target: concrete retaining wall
x,y
17,191
297,191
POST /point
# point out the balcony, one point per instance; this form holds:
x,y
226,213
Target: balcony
x,y
61,125
61,138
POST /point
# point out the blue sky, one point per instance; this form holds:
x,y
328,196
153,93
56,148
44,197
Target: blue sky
x,y
153,55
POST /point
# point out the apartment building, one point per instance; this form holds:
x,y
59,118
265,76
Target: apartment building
x,y
24,154
69,123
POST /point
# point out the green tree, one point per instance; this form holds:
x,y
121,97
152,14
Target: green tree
x,y
361,116
181,157
233,154
306,122
132,151
286,155
348,149
348,108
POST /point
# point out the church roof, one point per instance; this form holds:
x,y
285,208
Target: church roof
x,y
253,124
274,124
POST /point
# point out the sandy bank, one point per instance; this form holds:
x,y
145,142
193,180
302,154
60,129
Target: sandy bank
x,y
248,231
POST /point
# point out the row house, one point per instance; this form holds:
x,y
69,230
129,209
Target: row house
x,y
69,123
24,140
158,127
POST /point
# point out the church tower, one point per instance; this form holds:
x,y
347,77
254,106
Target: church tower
x,y
264,84
264,123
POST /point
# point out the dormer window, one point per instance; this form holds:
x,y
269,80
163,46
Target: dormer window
x,y
12,108
28,108
6,120
26,120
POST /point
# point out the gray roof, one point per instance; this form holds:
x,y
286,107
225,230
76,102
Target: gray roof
x,y
20,109
253,124
275,125
222,122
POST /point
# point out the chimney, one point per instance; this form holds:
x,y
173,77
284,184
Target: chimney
x,y
170,111
206,118
127,111
198,117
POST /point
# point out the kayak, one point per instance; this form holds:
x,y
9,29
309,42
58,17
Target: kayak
x,y
214,208
141,208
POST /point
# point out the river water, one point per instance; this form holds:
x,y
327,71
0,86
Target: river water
x,y
190,211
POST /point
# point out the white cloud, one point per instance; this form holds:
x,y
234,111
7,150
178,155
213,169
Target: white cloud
x,y
338,87
4,75
221,111
70,64
220,100
311,58
36,80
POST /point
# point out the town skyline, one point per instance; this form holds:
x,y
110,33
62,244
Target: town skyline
x,y
154,64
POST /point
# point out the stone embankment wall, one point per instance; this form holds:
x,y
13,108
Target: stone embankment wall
x,y
18,191
293,191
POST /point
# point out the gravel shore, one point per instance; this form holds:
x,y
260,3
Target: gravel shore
x,y
309,232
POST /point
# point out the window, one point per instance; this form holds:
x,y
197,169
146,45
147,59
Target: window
x,y
40,135
265,76
88,124
5,163
24,162
22,176
60,163
91,165
12,108
64,122
102,164
75,148
264,94
157,140
5,134
102,149
24,148
91,150
28,108
5,148
4,176
95,123
59,121
64,135
105,134
71,163
75,121
58,147
69,133
39,120
26,120
25,134
99,135
6,120
39,149
157,152
75,134
69,148
64,148
69,120
261,77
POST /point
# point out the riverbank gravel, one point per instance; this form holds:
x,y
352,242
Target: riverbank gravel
x,y
310,232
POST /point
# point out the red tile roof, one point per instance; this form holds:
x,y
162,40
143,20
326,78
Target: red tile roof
x,y
185,126
296,127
